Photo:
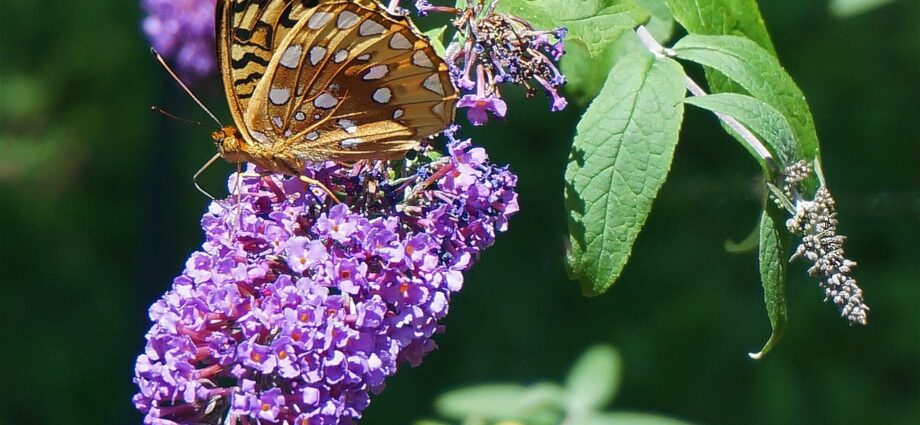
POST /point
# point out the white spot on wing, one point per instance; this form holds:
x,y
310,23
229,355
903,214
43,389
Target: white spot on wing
x,y
420,58
291,56
433,83
277,121
319,20
311,136
325,101
347,20
279,95
260,137
376,72
300,116
438,109
350,143
316,54
400,42
340,56
397,114
370,27
349,126
364,57
383,95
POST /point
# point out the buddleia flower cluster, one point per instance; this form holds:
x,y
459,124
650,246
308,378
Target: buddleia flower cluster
x,y
295,312
815,221
492,49
183,30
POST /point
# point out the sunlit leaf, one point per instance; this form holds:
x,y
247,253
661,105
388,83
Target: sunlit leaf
x,y
620,158
759,74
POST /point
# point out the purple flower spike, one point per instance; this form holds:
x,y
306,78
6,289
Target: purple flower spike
x,y
294,312
183,30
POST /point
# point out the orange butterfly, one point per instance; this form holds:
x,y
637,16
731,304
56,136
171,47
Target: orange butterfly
x,y
312,81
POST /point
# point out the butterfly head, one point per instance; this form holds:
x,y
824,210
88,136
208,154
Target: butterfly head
x,y
229,143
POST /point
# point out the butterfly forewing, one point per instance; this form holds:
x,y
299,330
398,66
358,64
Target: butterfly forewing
x,y
344,80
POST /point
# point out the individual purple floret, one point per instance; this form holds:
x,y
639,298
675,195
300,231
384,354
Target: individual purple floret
x,y
295,312
183,30
491,49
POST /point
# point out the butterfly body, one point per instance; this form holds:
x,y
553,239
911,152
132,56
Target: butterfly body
x,y
312,81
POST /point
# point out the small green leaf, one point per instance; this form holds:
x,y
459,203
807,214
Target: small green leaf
x,y
620,158
758,73
773,248
592,23
491,400
501,402
436,36
628,418
762,119
593,382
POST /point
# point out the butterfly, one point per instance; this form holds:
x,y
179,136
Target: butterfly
x,y
311,81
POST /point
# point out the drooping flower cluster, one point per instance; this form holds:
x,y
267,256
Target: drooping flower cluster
x,y
183,30
294,312
491,49
816,222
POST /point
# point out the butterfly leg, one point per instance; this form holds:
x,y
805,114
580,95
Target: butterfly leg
x,y
317,183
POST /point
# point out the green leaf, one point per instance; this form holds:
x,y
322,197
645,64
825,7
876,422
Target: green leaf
x,y
758,73
773,249
593,381
592,23
620,158
436,36
762,119
628,418
722,17
500,402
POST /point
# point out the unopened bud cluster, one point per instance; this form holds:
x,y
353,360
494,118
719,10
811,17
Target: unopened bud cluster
x,y
816,222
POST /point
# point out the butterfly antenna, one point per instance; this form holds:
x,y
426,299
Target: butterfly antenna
x,y
184,87
201,170
177,118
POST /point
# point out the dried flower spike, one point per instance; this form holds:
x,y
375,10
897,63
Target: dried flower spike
x,y
816,222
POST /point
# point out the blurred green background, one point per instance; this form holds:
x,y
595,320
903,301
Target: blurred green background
x,y
98,215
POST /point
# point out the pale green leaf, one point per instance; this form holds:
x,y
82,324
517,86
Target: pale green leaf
x,y
620,158
593,381
758,73
762,119
773,248
491,400
847,8
501,402
592,23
